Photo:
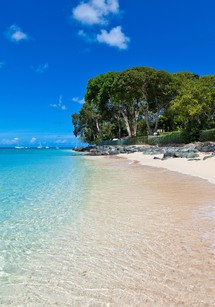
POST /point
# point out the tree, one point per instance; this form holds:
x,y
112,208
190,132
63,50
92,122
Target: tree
x,y
86,124
194,106
98,119
140,98
127,94
99,93
159,89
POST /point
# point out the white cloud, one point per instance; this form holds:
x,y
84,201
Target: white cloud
x,y
95,11
24,137
87,14
15,34
114,38
41,68
13,141
1,64
33,140
59,105
78,100
98,12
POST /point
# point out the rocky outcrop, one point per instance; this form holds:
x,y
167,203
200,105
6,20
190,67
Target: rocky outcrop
x,y
189,151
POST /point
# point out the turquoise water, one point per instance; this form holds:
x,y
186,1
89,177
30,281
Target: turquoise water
x,y
85,232
40,191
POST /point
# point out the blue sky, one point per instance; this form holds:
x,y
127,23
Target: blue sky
x,y
50,48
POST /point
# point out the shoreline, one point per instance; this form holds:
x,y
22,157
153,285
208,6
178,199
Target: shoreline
x,y
142,237
200,168
194,159
163,221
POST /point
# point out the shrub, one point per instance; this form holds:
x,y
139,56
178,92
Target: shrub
x,y
153,140
207,135
174,137
135,140
127,141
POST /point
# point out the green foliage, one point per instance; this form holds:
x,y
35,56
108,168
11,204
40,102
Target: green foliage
x,y
194,106
191,132
126,141
140,100
153,140
127,93
167,122
207,135
86,124
174,137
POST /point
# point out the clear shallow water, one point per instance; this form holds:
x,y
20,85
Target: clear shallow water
x,y
40,190
82,232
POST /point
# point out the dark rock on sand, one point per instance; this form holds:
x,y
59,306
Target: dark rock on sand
x,y
189,151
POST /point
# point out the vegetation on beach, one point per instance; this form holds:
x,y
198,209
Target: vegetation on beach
x,y
143,101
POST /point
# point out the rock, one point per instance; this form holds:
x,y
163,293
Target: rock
x,y
152,151
189,148
207,157
170,153
205,149
181,154
208,147
192,155
189,151
104,153
93,150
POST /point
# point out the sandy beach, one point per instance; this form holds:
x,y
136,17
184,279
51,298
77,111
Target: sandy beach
x,y
144,237
156,232
204,169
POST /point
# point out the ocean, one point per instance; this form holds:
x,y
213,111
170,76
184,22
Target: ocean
x,y
41,191
86,231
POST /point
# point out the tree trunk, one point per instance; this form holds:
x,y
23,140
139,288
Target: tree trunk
x,y
127,125
98,128
147,120
156,124
136,115
119,129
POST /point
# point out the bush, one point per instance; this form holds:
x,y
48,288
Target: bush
x,y
207,135
153,140
174,137
127,141
135,140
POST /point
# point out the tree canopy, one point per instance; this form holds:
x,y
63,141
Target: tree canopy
x,y
141,100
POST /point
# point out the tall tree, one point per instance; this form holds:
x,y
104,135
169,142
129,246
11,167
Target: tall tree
x,y
86,124
99,93
128,93
159,90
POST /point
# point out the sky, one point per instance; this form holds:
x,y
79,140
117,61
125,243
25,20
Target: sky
x,y
49,49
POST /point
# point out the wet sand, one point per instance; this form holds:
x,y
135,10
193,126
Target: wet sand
x,y
144,238
158,234
198,168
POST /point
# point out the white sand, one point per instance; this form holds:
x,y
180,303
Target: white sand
x,y
200,168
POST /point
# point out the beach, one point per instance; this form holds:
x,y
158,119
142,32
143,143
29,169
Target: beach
x,y
196,167
133,235
157,233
